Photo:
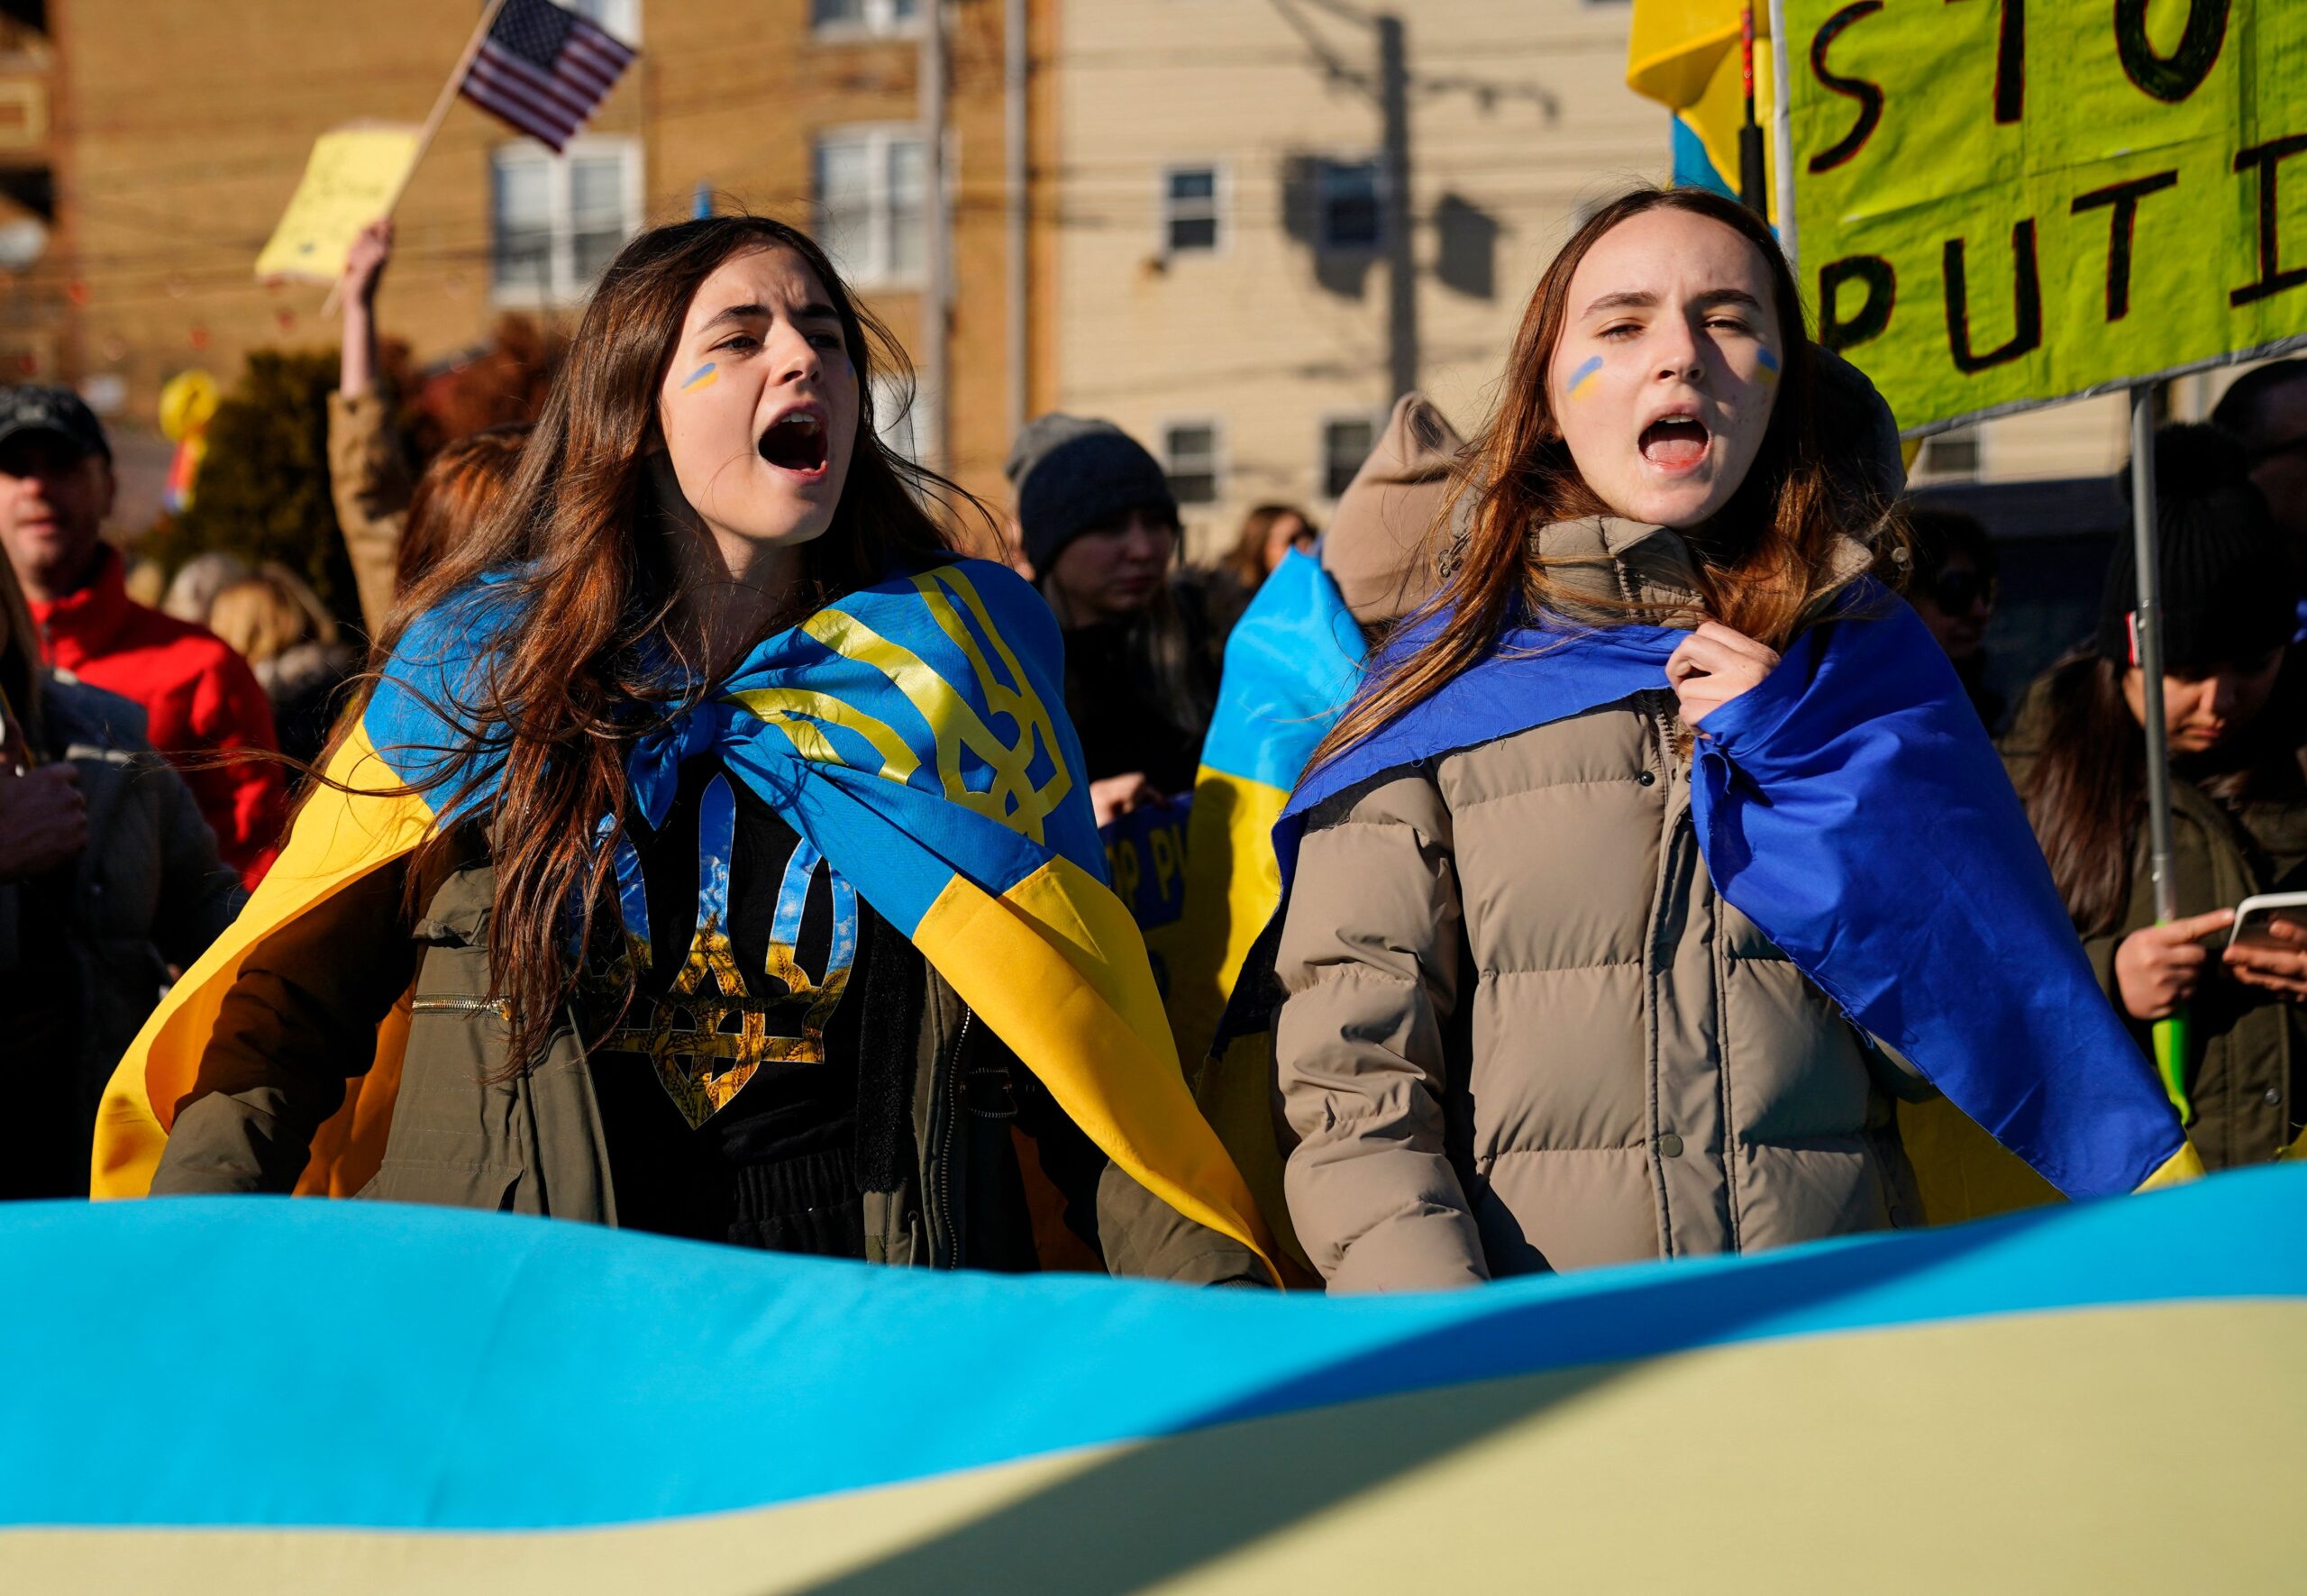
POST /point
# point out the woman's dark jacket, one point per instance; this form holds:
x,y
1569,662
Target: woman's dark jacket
x,y
2248,1049
469,1131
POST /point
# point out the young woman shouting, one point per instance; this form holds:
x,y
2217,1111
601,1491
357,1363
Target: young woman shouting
x,y
708,855
1576,876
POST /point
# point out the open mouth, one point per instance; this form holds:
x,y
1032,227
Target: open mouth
x,y
1674,443
796,442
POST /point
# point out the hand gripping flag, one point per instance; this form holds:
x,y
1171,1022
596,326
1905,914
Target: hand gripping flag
x,y
1292,662
909,733
1851,808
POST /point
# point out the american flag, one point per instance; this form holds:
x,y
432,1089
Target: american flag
x,y
545,69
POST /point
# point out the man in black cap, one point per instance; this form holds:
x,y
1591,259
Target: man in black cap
x,y
199,697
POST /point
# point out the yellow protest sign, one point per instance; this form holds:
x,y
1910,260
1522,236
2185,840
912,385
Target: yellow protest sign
x,y
2002,204
352,178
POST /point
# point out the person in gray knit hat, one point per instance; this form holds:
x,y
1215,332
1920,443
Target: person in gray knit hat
x,y
1098,527
2235,734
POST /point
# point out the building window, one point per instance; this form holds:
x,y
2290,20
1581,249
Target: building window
x,y
1346,443
620,17
871,188
870,17
1189,456
1349,207
1189,209
557,222
1952,453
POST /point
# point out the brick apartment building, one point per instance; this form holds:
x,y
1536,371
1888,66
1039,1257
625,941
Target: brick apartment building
x,y
147,148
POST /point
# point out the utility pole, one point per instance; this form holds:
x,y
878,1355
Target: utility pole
x,y
1015,84
1400,241
937,289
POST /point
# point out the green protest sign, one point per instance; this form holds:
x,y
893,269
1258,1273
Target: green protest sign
x,y
2003,204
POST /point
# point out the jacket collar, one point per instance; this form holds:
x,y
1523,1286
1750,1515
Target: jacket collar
x,y
83,626
1605,558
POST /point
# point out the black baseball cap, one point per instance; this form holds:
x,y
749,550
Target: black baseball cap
x,y
38,407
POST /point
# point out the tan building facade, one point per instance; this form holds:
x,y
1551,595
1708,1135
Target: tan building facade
x,y
174,133
1225,288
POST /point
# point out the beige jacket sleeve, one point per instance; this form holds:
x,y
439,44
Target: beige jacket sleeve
x,y
1369,961
369,480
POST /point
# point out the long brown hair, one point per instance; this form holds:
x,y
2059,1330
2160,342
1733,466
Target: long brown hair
x,y
1766,570
590,664
454,488
1246,557
2085,793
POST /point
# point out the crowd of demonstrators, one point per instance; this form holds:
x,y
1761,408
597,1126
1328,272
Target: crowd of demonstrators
x,y
1952,589
200,699
1098,527
705,476
2236,737
108,877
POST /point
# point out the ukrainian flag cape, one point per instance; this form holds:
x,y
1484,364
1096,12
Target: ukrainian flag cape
x,y
913,733
1852,807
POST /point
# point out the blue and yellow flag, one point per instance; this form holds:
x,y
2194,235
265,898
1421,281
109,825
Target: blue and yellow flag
x,y
914,734
1292,663
250,1396
1685,55
1851,806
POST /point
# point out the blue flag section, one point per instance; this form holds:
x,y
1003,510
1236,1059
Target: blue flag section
x,y
438,1399
1852,807
1145,858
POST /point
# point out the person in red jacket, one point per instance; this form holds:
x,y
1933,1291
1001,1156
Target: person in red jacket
x,y
199,697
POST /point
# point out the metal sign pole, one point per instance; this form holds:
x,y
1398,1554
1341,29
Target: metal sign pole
x,y
2147,632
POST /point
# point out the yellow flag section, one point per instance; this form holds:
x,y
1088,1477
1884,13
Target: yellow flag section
x,y
350,178
2001,204
1685,55
338,837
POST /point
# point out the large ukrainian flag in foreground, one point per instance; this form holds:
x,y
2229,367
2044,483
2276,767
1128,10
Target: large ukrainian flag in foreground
x,y
905,731
248,1395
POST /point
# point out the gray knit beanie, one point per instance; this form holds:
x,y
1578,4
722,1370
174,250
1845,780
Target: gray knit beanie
x,y
1075,473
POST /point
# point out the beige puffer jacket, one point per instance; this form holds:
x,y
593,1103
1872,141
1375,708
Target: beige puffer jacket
x,y
1522,1032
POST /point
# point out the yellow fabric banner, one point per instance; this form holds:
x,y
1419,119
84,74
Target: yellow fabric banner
x,y
2002,205
1686,55
351,178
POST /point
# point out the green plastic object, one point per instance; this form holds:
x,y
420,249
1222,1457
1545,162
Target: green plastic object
x,y
2171,1062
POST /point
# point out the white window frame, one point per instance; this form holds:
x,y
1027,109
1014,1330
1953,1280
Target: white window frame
x,y
905,434
1376,421
1323,242
1217,457
880,21
1221,195
562,286
619,17
880,137
1974,434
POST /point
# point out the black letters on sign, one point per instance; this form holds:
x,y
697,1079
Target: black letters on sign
x,y
2009,61
2027,304
2273,279
1872,272
2123,199
1869,95
2175,79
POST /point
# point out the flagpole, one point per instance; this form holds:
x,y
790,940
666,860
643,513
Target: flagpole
x,y
2170,1034
1781,128
1753,187
425,134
